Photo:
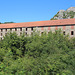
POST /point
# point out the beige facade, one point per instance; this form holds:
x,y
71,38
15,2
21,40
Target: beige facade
x,y
66,29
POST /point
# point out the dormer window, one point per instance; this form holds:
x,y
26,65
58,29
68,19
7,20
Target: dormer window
x,y
25,33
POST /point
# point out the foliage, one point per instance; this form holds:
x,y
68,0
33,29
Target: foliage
x,y
8,22
66,15
53,18
48,54
70,14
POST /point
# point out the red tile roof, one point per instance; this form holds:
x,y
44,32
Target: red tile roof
x,y
40,23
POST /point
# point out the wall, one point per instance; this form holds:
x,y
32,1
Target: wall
x,y
68,29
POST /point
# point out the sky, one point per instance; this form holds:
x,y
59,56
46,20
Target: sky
x,y
31,10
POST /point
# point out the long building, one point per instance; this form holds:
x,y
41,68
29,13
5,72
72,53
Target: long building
x,y
66,25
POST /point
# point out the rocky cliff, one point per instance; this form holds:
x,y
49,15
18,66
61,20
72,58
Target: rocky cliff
x,y
65,14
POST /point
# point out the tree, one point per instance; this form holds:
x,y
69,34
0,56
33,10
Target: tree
x,y
48,54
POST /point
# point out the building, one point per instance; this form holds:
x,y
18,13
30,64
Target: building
x,y
66,25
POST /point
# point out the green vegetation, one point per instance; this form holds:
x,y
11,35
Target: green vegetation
x,y
55,16
64,15
68,14
6,22
52,54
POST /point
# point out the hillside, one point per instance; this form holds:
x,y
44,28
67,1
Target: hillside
x,y
65,14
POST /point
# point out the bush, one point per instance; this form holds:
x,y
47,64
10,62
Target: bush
x,y
48,54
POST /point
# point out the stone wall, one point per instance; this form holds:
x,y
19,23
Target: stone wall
x,y
66,29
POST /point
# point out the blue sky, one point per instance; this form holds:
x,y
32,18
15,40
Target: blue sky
x,y
31,10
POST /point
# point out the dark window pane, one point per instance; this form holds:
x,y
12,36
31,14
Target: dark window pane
x,y
32,28
26,29
1,30
20,29
10,29
64,32
72,32
6,30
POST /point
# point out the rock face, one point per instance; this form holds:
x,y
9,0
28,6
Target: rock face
x,y
71,9
65,14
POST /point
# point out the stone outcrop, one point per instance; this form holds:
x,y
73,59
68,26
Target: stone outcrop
x,y
71,9
65,14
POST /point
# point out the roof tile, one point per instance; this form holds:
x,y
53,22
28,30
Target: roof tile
x,y
40,23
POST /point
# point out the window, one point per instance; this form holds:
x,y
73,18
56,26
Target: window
x,y
64,32
32,28
1,30
26,29
72,32
6,30
11,29
15,29
20,29
1,34
25,33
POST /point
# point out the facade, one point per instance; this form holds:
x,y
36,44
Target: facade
x,y
66,25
